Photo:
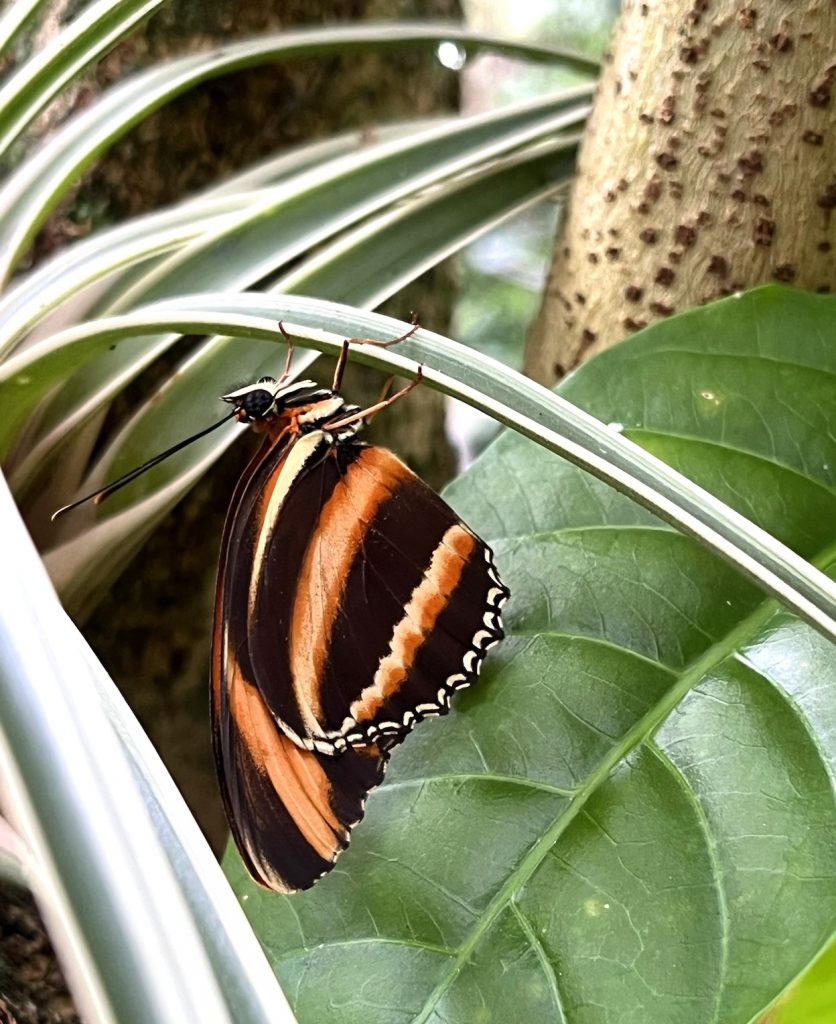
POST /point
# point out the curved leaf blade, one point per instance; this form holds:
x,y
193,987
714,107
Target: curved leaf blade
x,y
90,35
306,214
486,385
37,185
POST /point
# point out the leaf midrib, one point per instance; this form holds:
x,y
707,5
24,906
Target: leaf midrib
x,y
632,739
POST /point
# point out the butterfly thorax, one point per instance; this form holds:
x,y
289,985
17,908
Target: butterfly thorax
x,y
300,407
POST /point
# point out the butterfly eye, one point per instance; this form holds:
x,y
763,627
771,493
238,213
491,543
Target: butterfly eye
x,y
257,404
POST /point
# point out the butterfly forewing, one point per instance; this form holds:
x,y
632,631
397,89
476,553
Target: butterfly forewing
x,y
370,603
419,608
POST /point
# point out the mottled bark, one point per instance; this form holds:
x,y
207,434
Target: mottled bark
x,y
708,166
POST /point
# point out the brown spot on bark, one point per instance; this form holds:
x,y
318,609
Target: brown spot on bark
x,y
746,17
667,161
717,112
646,118
690,54
629,324
643,10
763,231
685,235
812,138
610,196
653,189
697,10
781,114
592,257
632,293
704,218
751,162
759,199
664,276
781,42
675,189
613,253
819,95
827,200
784,272
660,309
739,195
718,266
761,64
824,246
675,256
588,337
649,235
668,111
580,298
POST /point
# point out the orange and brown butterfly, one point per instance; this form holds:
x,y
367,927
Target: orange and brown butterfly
x,y
351,603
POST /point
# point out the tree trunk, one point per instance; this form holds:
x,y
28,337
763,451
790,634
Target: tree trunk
x,y
707,167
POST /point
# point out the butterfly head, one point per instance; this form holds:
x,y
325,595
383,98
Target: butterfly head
x,y
268,400
254,403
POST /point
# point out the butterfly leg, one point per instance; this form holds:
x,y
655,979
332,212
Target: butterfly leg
x,y
338,373
384,394
288,357
373,410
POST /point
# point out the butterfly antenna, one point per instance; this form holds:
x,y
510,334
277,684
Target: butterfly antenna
x,y
104,492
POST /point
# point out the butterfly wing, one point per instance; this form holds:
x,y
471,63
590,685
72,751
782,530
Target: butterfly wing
x,y
290,810
352,602
369,601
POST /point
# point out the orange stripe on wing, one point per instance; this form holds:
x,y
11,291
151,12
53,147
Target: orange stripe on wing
x,y
295,775
428,600
333,547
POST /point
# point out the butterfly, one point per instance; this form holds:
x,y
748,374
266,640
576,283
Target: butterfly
x,y
352,602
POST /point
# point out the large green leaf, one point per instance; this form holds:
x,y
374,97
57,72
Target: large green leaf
x,y
630,817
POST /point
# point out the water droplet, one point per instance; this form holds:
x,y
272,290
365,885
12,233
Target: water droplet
x,y
451,55
617,427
